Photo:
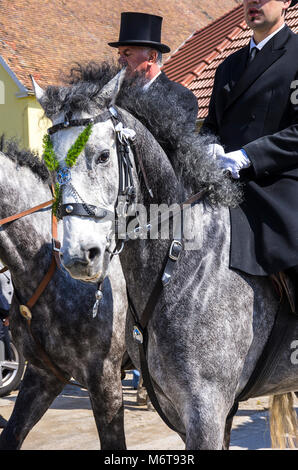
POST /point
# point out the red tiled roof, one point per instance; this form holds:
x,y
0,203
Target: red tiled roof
x,y
186,62
43,38
202,85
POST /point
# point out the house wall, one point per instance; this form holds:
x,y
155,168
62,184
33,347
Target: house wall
x,y
20,117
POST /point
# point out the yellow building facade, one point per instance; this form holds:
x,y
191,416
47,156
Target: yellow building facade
x,y
21,116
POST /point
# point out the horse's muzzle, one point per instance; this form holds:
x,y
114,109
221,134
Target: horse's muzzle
x,y
86,267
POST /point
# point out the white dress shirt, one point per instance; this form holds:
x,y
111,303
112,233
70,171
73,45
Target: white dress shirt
x,y
262,43
151,81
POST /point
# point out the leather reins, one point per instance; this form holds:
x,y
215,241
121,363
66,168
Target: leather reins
x,y
25,309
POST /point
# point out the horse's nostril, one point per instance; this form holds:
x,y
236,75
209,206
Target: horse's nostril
x,y
93,253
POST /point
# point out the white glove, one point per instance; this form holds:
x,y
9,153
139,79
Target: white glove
x,y
232,161
214,149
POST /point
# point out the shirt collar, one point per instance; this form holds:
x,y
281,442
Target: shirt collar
x,y
262,43
151,81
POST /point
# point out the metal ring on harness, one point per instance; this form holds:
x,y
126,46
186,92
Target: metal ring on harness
x,y
116,252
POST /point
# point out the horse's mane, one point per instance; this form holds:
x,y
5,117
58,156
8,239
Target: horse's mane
x,y
24,158
185,147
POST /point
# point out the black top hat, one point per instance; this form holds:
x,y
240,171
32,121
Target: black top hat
x,y
293,3
140,29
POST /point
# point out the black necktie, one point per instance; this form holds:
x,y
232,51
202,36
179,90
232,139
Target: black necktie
x,y
252,54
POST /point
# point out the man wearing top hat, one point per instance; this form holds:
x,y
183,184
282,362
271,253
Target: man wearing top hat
x,y
254,111
140,51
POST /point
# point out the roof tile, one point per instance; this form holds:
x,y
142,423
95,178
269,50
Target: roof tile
x,y
48,37
203,42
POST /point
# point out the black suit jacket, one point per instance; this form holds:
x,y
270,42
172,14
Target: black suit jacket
x,y
255,107
186,100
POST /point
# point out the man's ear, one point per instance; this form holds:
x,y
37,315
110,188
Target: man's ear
x,y
287,4
153,56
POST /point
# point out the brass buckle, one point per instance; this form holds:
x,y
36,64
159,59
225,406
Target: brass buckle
x,y
25,312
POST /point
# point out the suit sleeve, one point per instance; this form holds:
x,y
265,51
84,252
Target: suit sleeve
x,y
274,154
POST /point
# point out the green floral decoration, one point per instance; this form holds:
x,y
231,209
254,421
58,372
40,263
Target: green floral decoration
x,y
51,160
57,199
49,155
78,146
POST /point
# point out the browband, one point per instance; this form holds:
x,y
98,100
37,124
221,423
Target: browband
x,y
102,117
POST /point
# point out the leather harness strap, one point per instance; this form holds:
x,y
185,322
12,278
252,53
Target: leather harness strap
x,y
140,332
80,122
27,212
25,310
19,215
141,336
55,258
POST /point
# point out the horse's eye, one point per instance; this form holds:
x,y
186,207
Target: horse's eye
x,y
103,157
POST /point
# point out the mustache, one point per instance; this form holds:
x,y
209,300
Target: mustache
x,y
253,9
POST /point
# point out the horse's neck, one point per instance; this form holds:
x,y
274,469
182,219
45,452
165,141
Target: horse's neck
x,y
24,244
206,241
160,174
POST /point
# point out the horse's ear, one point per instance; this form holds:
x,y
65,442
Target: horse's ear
x,y
38,91
110,91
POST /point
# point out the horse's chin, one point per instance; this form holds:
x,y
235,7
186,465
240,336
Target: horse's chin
x,y
86,273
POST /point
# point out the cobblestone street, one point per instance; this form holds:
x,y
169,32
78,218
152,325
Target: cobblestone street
x,y
69,424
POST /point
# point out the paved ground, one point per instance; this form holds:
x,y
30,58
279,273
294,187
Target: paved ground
x,y
69,424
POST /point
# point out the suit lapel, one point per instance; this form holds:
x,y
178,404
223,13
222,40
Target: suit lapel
x,y
269,54
238,67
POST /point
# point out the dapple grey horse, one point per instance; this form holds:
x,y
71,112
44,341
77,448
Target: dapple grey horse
x,y
209,324
88,349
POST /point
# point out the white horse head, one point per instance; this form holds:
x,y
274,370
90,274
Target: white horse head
x,y
87,239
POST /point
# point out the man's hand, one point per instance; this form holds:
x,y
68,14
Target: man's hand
x,y
214,149
232,162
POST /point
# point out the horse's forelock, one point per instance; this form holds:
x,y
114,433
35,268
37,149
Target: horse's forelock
x,y
81,87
